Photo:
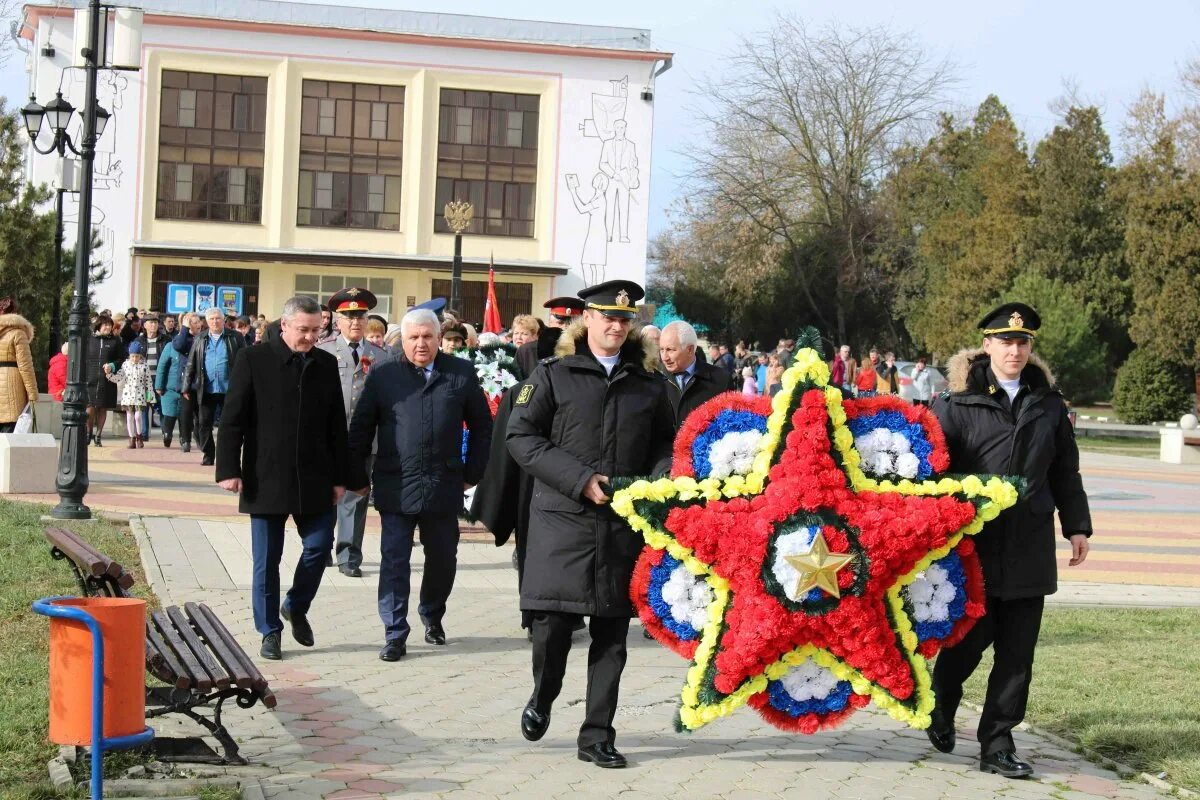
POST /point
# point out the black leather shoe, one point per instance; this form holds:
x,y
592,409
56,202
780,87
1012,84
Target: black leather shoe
x,y
301,630
207,461
603,755
271,649
1006,764
435,635
940,733
350,572
533,723
185,447
392,651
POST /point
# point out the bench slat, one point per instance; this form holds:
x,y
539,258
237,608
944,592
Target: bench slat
x,y
201,680
226,655
259,683
162,662
202,653
87,558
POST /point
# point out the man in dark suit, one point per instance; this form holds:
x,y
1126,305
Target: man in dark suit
x,y
283,449
417,403
690,383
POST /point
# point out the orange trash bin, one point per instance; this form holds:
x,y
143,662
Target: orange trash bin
x,y
122,623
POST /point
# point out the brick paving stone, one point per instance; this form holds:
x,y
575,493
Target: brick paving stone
x,y
444,721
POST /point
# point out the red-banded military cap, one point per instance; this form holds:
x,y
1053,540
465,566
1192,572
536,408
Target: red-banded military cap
x,y
352,300
564,306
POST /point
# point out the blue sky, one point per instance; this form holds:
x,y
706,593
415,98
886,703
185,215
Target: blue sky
x,y
1022,51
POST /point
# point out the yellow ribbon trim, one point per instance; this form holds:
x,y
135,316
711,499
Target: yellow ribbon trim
x,y
807,366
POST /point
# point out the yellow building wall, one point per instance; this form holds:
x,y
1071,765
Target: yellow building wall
x,y
278,228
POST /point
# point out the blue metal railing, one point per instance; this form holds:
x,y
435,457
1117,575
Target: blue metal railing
x,y
100,744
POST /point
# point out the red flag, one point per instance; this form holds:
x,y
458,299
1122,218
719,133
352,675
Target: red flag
x,y
491,312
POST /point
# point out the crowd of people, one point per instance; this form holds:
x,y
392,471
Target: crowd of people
x,y
330,408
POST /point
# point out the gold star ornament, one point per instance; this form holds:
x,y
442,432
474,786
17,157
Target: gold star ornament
x,y
818,568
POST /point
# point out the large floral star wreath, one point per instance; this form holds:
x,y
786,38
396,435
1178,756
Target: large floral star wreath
x,y
808,555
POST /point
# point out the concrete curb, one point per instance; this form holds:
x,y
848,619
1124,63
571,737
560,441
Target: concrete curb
x,y
150,565
1097,758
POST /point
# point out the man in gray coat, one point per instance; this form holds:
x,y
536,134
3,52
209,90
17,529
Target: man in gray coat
x,y
355,357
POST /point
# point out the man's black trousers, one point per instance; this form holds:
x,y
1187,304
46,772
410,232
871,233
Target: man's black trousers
x,y
210,413
606,661
1011,627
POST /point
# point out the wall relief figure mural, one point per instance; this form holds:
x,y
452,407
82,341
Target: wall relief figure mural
x,y
617,177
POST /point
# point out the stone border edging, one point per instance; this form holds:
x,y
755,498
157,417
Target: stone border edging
x,y
1099,758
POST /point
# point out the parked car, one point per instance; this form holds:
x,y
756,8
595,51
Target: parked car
x,y
904,372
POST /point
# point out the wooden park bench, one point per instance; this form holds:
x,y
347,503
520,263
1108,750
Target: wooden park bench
x,y
187,648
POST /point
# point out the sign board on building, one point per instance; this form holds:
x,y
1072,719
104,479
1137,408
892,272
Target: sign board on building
x,y
229,298
205,293
181,298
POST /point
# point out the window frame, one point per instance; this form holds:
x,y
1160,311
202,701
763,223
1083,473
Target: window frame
x,y
199,131
346,147
478,162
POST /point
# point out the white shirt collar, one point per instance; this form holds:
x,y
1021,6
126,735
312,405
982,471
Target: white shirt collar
x,y
609,362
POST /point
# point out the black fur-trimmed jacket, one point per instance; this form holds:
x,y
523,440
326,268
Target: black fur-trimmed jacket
x,y
570,421
1036,443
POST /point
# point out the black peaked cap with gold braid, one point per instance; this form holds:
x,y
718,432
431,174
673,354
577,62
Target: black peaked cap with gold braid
x,y
613,298
1011,321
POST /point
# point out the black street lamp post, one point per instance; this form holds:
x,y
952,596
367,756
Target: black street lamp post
x,y
72,481
56,301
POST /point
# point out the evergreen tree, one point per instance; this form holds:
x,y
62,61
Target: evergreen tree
x,y
1076,235
971,191
1067,341
26,242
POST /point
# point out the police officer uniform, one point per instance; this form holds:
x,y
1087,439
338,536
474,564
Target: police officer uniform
x,y
1017,428
563,311
354,360
578,415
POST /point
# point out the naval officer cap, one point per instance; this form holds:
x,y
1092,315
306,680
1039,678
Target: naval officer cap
x,y
613,298
1011,321
564,308
437,305
352,301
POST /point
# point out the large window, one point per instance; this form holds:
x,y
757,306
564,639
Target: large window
x,y
351,138
487,155
322,287
210,147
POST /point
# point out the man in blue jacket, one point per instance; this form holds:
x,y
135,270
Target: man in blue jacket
x,y
418,403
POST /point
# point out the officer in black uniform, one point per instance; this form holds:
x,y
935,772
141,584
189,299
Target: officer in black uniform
x,y
596,410
563,311
1003,415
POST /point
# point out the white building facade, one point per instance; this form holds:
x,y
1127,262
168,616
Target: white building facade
x,y
265,149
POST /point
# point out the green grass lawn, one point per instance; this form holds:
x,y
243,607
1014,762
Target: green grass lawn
x,y
26,573
1144,447
1122,682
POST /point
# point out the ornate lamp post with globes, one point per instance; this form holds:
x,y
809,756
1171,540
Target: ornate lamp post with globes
x,y
72,481
458,215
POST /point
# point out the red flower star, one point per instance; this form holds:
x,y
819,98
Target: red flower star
x,y
757,630
890,533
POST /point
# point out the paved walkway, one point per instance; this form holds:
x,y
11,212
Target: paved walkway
x,y
1146,514
444,721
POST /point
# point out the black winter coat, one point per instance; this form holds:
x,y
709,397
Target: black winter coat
x,y
102,393
419,464
530,353
283,431
569,422
1037,444
706,383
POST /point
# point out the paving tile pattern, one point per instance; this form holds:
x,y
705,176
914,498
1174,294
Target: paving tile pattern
x,y
443,722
